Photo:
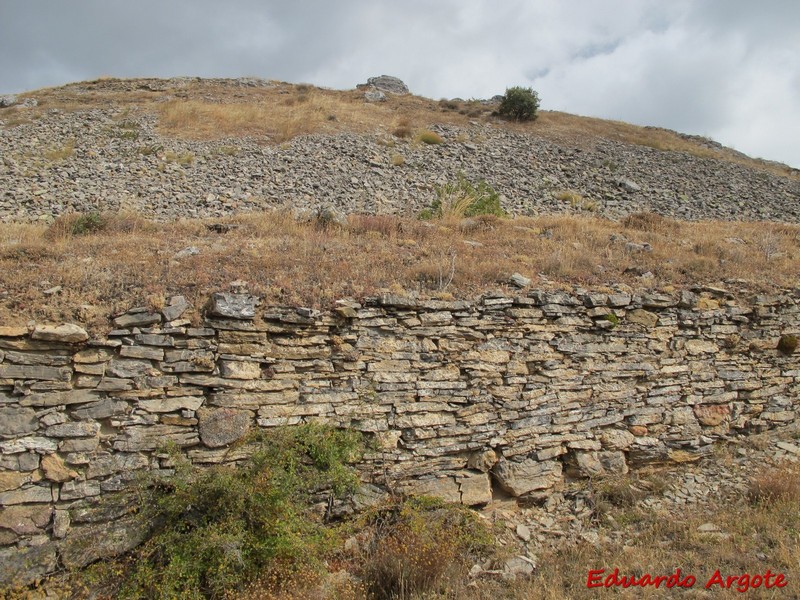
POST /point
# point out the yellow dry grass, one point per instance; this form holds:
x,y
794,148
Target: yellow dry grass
x,y
129,261
284,112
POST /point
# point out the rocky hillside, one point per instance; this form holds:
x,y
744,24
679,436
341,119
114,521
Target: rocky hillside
x,y
107,145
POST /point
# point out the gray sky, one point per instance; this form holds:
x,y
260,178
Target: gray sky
x,y
727,69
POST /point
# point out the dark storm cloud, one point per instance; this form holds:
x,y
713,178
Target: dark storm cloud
x,y
723,68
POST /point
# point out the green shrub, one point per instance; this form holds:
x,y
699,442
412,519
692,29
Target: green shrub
x,y
464,199
519,103
59,153
183,158
86,223
218,530
150,149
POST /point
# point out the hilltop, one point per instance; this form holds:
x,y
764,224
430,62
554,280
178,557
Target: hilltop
x,y
123,192
197,148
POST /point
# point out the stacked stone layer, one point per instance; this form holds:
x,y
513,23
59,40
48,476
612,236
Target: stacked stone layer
x,y
463,399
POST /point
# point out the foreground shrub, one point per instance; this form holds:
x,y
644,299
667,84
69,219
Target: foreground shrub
x,y
650,222
519,104
464,199
218,530
420,546
82,224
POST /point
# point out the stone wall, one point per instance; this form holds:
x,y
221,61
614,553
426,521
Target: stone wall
x,y
463,398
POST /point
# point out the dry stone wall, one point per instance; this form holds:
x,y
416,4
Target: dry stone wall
x,y
464,399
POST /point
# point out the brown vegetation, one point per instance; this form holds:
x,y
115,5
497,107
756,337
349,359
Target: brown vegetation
x,y
108,263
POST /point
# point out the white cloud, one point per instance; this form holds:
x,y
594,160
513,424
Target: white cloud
x,y
723,68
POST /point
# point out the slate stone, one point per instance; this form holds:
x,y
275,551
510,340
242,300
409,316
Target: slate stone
x,y
59,398
60,333
232,306
223,426
89,543
25,566
17,421
139,319
388,84
520,478
8,371
177,306
129,367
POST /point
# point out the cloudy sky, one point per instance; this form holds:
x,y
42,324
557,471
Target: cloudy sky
x,y
727,69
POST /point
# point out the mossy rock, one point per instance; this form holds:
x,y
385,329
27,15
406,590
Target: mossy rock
x,y
787,344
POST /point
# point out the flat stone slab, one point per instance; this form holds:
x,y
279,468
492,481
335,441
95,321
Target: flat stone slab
x,y
232,306
60,333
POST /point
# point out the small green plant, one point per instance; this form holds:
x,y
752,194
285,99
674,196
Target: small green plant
x,y
429,137
576,200
87,223
787,344
127,130
464,199
519,104
398,160
219,529
612,318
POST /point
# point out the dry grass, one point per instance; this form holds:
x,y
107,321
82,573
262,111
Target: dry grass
x,y
747,537
126,261
428,137
285,112
59,153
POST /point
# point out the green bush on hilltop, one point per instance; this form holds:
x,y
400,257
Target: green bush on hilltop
x,y
519,104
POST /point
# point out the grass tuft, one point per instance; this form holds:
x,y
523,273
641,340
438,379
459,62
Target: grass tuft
x,y
59,153
429,137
